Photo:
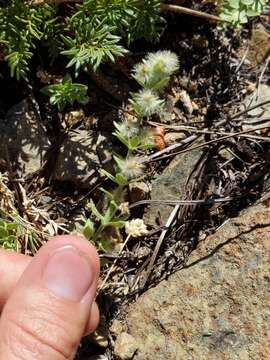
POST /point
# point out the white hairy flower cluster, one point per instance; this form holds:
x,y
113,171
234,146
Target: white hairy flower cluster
x,y
146,102
131,167
136,228
155,70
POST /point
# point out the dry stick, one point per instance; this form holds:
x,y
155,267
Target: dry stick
x,y
188,11
241,112
180,128
209,143
173,147
158,245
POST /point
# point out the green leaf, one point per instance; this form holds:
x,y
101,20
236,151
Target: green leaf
x,y
108,175
107,193
95,211
12,226
95,43
3,233
121,179
122,139
89,229
237,12
117,224
11,238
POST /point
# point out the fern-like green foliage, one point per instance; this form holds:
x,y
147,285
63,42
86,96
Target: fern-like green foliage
x,y
96,32
237,12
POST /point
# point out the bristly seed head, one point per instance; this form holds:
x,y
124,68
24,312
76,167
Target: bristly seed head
x,y
128,130
146,103
163,61
142,73
131,168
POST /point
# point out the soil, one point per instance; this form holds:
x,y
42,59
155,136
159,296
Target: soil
x,y
230,172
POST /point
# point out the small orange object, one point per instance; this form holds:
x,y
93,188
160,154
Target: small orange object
x,y
159,137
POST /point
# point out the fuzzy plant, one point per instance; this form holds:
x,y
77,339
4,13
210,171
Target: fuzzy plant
x,y
153,75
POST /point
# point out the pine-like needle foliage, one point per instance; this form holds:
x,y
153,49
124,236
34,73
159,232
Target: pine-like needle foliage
x,y
97,31
22,26
131,19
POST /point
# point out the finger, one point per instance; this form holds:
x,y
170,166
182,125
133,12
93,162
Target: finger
x,y
47,314
12,266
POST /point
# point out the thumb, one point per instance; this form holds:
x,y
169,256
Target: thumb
x,y
48,311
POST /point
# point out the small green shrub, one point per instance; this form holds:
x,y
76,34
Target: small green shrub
x,y
66,92
237,12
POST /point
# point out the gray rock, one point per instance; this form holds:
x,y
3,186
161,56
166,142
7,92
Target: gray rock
x,y
80,157
24,142
217,307
170,185
256,116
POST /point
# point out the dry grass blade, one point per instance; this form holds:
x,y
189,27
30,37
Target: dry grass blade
x,y
158,245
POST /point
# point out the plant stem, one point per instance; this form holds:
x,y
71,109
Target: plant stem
x,y
112,210
113,265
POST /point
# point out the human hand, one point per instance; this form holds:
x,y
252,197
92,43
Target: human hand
x,y
48,301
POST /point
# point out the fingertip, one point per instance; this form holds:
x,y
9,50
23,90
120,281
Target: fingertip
x,y
93,320
62,240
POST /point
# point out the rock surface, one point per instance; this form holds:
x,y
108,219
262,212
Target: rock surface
x,y
125,347
80,157
218,306
259,116
170,185
259,45
24,142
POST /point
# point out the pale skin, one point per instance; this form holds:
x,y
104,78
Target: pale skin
x,y
47,302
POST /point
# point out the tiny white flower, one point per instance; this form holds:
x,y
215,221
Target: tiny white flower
x,y
131,168
146,103
136,228
124,208
128,130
